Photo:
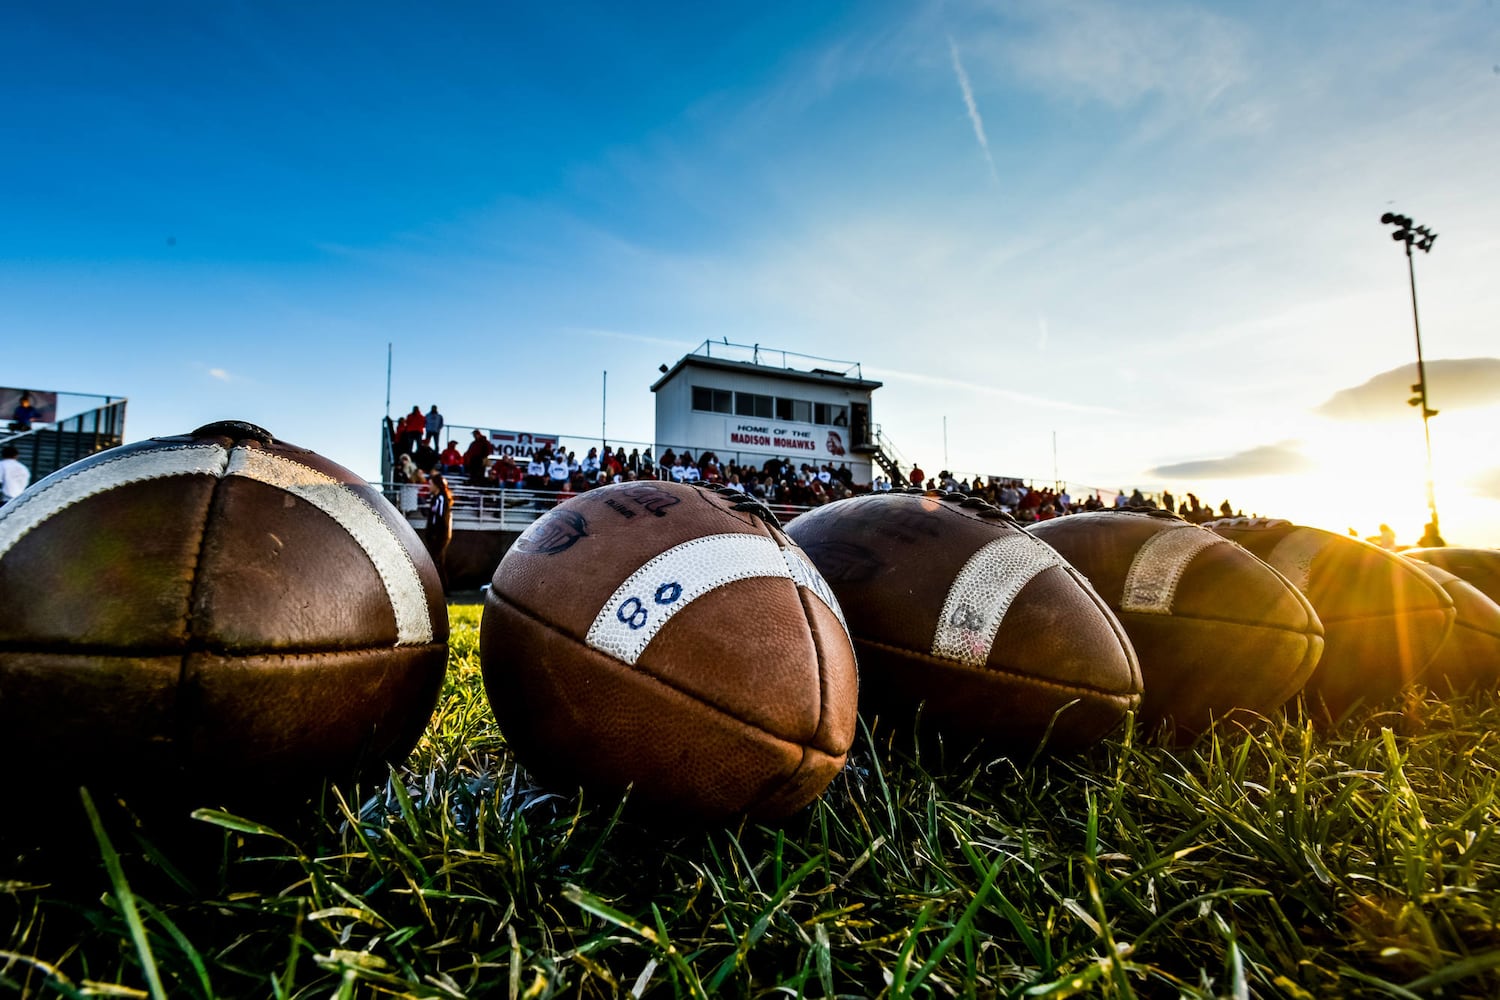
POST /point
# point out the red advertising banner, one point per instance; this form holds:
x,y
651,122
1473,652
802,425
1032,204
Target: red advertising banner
x,y
21,408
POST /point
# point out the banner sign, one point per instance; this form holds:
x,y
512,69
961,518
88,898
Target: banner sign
x,y
44,403
522,444
787,440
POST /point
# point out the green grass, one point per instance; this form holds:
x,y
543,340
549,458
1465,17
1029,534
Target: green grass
x,y
1282,862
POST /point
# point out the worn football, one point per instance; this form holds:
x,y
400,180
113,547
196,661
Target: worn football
x,y
1215,629
671,639
1479,568
957,610
1383,618
215,614
1469,659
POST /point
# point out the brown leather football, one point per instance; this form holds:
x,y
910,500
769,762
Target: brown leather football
x,y
219,614
1469,659
670,638
953,607
1383,618
1214,628
1480,568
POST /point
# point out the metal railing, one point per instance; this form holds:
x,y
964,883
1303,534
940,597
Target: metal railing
x,y
490,508
47,449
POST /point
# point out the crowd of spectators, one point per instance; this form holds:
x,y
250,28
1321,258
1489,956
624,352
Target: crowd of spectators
x,y
776,481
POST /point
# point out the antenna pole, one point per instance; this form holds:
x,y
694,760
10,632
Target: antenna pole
x,y
387,379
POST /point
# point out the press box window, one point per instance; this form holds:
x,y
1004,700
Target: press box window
x,y
712,400
828,413
749,404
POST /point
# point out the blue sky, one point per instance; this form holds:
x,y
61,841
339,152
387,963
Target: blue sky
x,y
1149,228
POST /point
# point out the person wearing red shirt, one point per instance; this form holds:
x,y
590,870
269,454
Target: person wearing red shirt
x,y
918,477
452,458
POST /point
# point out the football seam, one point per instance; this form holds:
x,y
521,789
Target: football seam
x,y
1068,688
1387,615
636,668
812,636
1215,620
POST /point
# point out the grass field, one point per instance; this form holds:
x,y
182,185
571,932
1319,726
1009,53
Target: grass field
x,y
1283,862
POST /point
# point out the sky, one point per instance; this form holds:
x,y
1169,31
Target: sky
x,y
1126,244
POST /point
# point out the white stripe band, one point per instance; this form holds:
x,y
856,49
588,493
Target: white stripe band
x,y
58,492
394,564
982,592
1151,584
806,576
674,579
1292,557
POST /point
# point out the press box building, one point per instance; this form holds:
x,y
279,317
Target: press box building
x,y
764,407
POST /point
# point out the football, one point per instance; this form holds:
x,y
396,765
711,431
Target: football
x,y
1469,659
1480,568
1383,618
955,609
671,639
1214,628
215,614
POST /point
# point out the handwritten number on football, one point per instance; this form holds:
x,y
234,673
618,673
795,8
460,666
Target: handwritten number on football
x,y
633,613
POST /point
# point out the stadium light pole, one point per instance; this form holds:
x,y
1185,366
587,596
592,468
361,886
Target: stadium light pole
x,y
1422,238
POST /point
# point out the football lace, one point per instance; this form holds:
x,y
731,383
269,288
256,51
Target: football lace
x,y
743,502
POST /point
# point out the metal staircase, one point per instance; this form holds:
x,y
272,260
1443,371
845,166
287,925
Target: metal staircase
x,y
884,454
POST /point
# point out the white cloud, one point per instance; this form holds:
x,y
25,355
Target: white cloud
x,y
220,374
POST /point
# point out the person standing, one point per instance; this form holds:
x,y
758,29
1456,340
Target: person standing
x,y
14,477
477,457
24,414
433,423
439,525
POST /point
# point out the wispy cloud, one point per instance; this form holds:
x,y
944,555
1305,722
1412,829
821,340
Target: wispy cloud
x,y
940,381
638,338
220,374
1282,459
1452,384
974,118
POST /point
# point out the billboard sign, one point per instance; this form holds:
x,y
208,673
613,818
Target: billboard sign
x,y
522,444
43,403
784,439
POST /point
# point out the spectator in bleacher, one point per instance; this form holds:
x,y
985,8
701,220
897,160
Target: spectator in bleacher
x,y
476,458
14,476
24,415
410,431
1225,510
425,457
451,458
409,479
557,470
507,473
917,477
432,426
590,466
536,472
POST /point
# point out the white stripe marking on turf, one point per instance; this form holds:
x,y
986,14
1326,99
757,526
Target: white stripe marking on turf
x,y
1151,584
64,489
982,592
674,579
1292,557
394,564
